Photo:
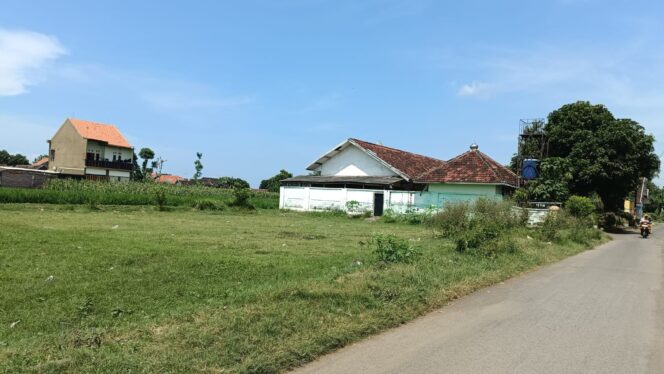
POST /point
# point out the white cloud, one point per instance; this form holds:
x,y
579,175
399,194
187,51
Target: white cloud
x,y
22,55
474,88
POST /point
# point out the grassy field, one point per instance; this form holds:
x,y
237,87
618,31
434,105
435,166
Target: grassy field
x,y
132,289
67,191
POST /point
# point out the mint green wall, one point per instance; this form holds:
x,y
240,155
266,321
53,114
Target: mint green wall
x,y
440,194
488,190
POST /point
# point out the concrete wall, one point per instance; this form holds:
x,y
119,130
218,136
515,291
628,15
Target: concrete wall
x,y
70,148
318,198
321,199
23,178
352,161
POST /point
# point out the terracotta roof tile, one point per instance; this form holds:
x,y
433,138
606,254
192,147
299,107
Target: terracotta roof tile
x,y
40,162
407,163
167,178
101,132
470,167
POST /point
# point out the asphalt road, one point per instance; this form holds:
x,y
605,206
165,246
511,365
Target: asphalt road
x,y
601,311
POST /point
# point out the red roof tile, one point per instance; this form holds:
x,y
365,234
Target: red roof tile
x,y
40,162
470,167
406,163
167,178
101,132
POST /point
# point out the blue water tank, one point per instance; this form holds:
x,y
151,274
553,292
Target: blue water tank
x,y
529,169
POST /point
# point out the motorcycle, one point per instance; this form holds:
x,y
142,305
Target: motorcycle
x,y
645,229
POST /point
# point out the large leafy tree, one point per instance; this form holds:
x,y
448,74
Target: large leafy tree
x,y
605,155
146,154
136,172
9,159
272,184
233,183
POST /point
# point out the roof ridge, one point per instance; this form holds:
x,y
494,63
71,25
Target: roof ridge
x,y
493,169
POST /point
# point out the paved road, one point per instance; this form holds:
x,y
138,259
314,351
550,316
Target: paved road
x,y
601,311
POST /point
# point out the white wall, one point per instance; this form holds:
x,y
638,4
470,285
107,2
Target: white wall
x,y
313,198
95,171
353,161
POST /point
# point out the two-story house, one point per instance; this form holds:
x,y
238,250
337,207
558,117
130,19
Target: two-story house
x,y
90,150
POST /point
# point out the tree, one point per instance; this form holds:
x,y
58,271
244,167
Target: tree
x,y
12,160
158,165
198,165
605,155
146,154
232,183
552,185
136,173
272,184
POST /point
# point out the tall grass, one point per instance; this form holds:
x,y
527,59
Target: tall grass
x,y
68,191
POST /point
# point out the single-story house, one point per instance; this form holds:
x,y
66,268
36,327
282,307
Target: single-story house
x,y
377,178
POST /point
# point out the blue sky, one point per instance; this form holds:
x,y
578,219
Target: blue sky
x,y
258,86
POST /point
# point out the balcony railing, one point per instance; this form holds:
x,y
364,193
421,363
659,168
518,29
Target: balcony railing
x,y
122,165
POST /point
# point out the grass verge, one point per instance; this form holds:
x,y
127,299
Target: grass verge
x,y
147,291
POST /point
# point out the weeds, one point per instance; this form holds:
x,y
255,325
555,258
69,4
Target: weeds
x,y
392,249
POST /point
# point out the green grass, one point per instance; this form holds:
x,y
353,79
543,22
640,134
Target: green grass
x,y
67,191
139,290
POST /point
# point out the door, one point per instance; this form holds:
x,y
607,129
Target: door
x,y
378,204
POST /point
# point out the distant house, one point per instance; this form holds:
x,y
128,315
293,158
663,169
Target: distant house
x,y
41,164
90,150
379,178
168,178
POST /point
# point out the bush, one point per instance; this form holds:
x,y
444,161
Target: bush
x,y
160,199
241,198
208,205
608,221
580,207
451,221
504,244
391,249
484,214
476,237
353,206
555,222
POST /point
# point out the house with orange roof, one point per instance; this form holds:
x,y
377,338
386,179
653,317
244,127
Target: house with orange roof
x,y
363,176
90,150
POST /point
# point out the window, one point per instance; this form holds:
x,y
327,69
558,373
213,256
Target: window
x,y
52,157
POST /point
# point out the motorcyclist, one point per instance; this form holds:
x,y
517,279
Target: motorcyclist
x,y
645,223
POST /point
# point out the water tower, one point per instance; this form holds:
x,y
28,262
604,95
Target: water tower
x,y
532,148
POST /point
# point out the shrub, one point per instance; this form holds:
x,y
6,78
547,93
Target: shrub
x,y
208,205
241,198
476,237
453,220
579,206
391,249
608,221
504,244
353,206
160,199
